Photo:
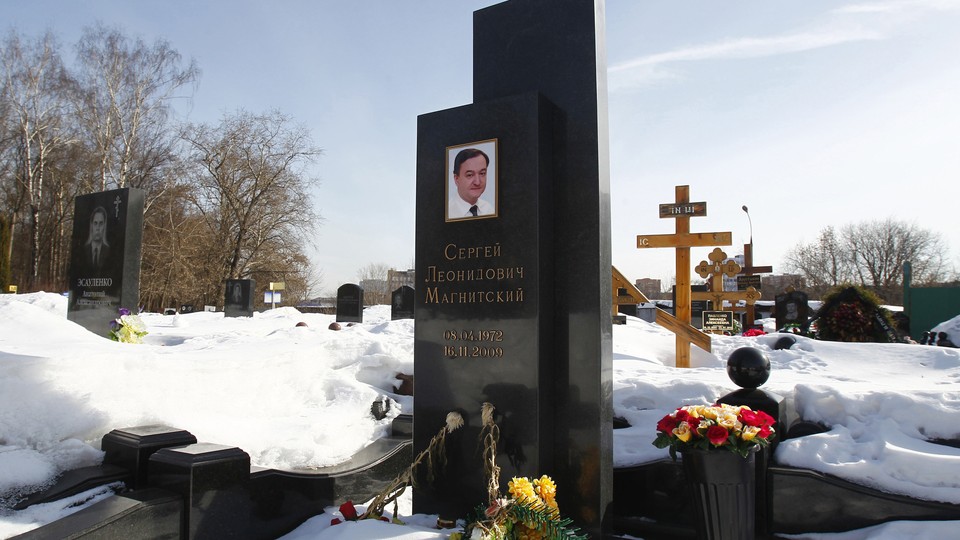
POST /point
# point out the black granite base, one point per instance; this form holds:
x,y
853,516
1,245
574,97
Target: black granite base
x,y
148,513
652,501
203,490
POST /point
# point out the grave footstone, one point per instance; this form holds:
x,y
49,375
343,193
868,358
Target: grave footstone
x,y
514,307
350,303
402,302
238,298
105,257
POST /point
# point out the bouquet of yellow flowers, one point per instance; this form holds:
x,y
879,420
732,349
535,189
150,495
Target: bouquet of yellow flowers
x,y
529,513
714,427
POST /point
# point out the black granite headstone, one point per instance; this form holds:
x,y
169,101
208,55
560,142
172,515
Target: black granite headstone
x,y
515,308
350,303
105,257
792,308
402,302
238,298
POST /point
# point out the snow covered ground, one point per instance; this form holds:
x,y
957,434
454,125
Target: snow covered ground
x,y
299,396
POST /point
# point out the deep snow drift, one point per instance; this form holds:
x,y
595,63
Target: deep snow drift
x,y
299,397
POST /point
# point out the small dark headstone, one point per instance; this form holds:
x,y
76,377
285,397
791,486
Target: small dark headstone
x,y
238,298
792,308
350,303
105,257
402,302
187,308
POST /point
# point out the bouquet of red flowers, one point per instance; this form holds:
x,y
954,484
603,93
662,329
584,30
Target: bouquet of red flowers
x,y
714,427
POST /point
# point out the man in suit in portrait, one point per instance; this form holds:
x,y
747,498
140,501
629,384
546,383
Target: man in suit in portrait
x,y
470,179
96,250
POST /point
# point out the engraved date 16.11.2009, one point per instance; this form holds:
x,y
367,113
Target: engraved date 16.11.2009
x,y
473,343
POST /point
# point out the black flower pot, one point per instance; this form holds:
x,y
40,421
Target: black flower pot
x,y
723,485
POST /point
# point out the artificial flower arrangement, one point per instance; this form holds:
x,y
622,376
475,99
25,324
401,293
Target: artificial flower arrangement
x,y
127,327
529,512
733,428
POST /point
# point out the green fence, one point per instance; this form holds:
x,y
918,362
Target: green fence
x,y
928,306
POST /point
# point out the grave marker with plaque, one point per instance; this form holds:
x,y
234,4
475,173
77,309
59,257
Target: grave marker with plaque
x,y
514,306
238,298
792,307
350,303
105,257
401,303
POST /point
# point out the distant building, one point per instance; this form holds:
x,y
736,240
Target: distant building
x,y
776,284
730,282
649,287
399,278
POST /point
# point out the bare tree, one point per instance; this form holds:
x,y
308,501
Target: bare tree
x,y
823,263
880,248
125,105
252,194
34,85
870,254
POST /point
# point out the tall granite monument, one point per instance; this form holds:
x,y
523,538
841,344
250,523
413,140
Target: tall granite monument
x,y
513,302
105,257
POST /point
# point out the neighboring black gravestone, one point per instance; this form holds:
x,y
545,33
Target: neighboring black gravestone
x,y
697,307
238,298
350,303
792,307
105,257
513,250
402,302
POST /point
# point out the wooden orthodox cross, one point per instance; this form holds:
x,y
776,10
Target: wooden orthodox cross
x,y
715,269
749,270
681,211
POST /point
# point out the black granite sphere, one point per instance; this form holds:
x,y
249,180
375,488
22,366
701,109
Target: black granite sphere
x,y
784,342
748,367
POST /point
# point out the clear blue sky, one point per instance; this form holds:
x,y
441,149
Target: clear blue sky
x,y
811,113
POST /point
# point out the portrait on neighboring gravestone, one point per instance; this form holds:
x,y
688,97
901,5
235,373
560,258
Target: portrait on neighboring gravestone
x,y
95,252
238,298
472,180
97,241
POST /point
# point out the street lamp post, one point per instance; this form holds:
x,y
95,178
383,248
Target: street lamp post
x,y
748,263
747,211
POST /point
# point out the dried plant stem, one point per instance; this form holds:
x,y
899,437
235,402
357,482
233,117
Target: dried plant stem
x,y
435,454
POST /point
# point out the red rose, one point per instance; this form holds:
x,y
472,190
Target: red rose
x,y
717,435
693,422
765,419
335,521
682,415
764,432
750,418
667,424
349,511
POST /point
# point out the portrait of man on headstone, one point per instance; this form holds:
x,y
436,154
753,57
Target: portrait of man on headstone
x,y
472,180
96,249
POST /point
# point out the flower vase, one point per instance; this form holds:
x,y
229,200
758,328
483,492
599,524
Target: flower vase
x,y
723,485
